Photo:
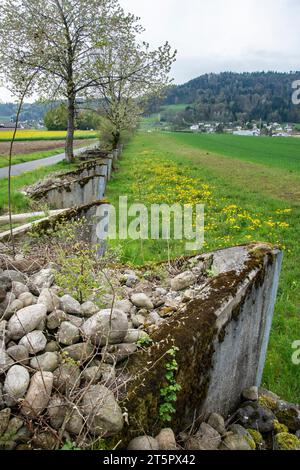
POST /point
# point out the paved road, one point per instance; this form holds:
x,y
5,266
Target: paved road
x,y
28,166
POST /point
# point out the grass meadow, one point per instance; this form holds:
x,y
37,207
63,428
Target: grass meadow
x,y
251,191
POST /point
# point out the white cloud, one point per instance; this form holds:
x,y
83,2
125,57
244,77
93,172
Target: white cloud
x,y
218,35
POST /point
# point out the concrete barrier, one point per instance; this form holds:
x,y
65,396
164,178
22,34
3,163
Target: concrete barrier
x,y
222,337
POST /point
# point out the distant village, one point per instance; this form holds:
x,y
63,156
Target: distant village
x,y
249,129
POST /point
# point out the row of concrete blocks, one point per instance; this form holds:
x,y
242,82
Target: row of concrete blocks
x,y
89,184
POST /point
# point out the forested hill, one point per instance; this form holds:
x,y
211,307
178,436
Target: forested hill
x,y
238,97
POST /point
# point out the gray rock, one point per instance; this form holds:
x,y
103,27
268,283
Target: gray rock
x,y
18,288
124,305
92,374
23,436
57,410
108,373
47,362
134,335
27,299
183,281
35,342
3,333
14,426
142,300
44,440
235,442
68,334
2,294
41,280
66,378
5,283
12,308
88,309
4,306
69,305
26,320
52,346
102,412
288,414
49,299
76,321
55,319
74,421
188,295
60,412
38,394
207,438
256,417
216,421
16,384
81,352
5,361
131,280
4,420
240,431
251,394
106,326
153,319
14,276
166,439
143,443
138,320
113,354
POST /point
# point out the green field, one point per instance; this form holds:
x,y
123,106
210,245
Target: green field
x,y
276,152
252,195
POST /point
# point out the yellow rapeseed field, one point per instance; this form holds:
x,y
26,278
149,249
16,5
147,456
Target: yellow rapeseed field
x,y
30,134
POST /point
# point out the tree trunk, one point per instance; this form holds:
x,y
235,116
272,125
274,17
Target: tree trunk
x,y
116,139
70,132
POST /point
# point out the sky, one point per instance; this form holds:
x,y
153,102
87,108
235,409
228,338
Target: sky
x,y
221,35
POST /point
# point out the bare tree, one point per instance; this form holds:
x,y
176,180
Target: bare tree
x,y
133,71
61,39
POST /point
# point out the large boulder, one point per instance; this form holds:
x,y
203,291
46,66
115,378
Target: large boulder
x,y
47,362
68,334
66,378
35,342
26,320
107,326
69,305
49,299
38,394
43,279
80,352
16,384
102,413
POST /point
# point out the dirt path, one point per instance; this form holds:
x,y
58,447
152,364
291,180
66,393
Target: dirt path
x,y
271,181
